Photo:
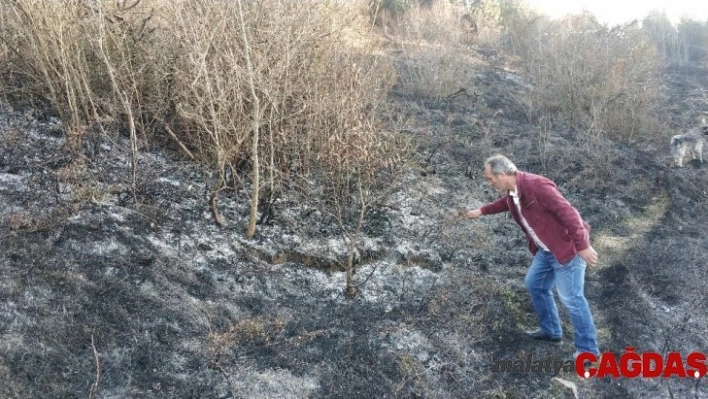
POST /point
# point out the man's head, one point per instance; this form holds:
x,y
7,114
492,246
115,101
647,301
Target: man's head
x,y
500,173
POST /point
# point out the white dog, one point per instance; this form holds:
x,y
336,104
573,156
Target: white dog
x,y
690,143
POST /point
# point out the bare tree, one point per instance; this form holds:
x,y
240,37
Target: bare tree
x,y
255,127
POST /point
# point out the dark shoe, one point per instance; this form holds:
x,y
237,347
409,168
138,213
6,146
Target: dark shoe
x,y
586,363
542,336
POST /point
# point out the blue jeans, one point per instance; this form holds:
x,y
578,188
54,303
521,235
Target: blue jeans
x,y
544,273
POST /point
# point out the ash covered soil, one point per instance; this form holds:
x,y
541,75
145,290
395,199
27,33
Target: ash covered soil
x,y
112,293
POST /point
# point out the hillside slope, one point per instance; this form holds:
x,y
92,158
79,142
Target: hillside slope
x,y
111,293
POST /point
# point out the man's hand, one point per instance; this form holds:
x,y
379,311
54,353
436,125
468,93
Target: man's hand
x,y
473,214
589,255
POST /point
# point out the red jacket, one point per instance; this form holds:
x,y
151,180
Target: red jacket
x,y
554,220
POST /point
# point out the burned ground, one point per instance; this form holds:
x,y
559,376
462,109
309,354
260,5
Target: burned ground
x,y
113,293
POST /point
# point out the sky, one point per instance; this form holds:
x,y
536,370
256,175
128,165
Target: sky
x,y
613,12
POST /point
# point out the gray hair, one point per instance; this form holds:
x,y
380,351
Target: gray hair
x,y
499,164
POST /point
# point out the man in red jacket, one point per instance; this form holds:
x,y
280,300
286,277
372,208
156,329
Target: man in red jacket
x,y
558,238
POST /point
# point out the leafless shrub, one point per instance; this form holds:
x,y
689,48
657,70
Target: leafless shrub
x,y
433,72
583,74
278,97
45,55
502,25
228,85
359,177
595,79
432,62
682,44
441,22
302,58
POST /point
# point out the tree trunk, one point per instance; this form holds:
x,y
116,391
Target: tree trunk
x,y
255,127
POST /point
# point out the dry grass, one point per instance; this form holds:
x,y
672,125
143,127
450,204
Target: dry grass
x,y
617,247
434,71
431,42
442,22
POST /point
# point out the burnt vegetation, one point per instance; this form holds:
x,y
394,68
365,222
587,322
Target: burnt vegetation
x,y
258,198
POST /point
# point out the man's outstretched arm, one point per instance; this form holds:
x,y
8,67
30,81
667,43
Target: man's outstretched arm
x,y
473,214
